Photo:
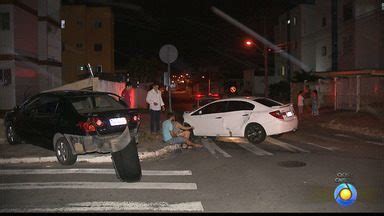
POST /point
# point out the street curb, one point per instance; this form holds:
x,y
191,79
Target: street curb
x,y
89,158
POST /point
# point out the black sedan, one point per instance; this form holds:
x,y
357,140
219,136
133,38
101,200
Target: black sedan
x,y
74,122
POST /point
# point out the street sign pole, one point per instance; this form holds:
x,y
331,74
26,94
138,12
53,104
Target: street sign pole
x,y
168,54
169,87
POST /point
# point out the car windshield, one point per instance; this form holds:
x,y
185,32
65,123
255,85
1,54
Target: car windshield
x,y
95,103
267,102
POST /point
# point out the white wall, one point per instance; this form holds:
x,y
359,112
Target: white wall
x,y
7,93
7,41
369,32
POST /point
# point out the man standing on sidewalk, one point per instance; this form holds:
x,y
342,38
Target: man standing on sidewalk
x,y
126,94
156,104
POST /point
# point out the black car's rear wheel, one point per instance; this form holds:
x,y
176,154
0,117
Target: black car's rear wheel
x,y
255,133
64,152
127,163
12,137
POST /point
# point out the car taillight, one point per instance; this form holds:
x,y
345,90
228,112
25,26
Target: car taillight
x,y
91,124
97,122
277,114
87,126
136,118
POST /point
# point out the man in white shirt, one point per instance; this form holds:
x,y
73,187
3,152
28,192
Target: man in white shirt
x,y
156,104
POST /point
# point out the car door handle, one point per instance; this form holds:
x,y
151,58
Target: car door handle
x,y
246,115
218,117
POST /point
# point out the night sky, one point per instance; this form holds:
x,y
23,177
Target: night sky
x,y
201,37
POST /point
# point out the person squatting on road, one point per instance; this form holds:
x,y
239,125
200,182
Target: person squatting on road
x,y
126,94
156,104
175,133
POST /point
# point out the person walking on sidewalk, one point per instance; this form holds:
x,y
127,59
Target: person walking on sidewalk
x,y
126,94
300,102
169,135
315,103
156,105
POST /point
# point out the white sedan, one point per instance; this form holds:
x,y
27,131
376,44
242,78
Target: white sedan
x,y
251,117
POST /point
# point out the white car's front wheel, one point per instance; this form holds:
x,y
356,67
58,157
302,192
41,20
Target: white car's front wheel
x,y
255,133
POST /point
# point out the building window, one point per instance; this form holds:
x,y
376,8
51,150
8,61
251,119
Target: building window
x,y
62,24
99,69
98,47
283,70
348,11
324,51
4,21
79,45
294,21
324,22
5,76
98,24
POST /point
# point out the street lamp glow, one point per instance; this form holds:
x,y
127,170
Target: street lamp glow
x,y
248,43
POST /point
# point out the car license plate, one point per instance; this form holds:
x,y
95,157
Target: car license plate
x,y
118,121
289,114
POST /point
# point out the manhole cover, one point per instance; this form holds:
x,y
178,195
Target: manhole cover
x,y
290,164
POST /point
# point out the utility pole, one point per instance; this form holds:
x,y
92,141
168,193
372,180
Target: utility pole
x,y
265,62
209,82
334,36
288,45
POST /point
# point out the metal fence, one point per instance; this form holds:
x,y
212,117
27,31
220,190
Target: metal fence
x,y
357,93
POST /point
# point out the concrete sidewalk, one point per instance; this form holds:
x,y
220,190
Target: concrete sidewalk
x,y
149,147
364,125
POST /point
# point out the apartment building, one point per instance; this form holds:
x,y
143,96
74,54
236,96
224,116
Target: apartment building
x,y
30,49
332,35
88,38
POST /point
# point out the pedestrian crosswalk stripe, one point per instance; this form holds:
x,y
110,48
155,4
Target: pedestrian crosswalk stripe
x,y
91,171
375,143
254,149
343,135
107,206
325,138
98,185
285,145
212,148
320,146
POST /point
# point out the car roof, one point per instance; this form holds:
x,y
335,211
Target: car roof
x,y
241,98
73,93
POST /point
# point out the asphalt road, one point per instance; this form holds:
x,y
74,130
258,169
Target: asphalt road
x,y
221,177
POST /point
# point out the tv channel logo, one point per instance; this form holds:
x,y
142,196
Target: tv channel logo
x,y
345,194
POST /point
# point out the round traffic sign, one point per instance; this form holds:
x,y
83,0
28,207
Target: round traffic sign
x,y
232,89
168,53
